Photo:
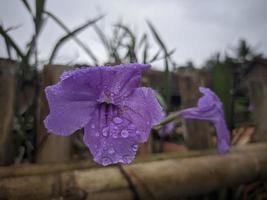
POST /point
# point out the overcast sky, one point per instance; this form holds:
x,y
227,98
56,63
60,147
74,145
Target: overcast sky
x,y
197,29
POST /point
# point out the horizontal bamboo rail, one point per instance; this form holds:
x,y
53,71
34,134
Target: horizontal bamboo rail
x,y
46,168
156,179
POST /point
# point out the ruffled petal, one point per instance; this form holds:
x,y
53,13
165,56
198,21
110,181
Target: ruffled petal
x,y
70,106
110,138
111,84
114,132
223,139
210,108
210,114
143,110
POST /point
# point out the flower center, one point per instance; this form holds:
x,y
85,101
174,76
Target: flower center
x,y
106,97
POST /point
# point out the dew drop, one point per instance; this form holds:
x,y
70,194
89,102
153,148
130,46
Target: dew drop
x,y
115,135
117,120
134,147
138,132
124,133
106,161
105,132
131,126
111,151
127,159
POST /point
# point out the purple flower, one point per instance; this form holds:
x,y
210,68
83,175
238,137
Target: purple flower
x,y
115,112
210,108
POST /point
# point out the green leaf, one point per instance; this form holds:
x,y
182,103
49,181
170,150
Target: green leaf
x,y
111,50
39,9
76,39
143,40
63,39
11,42
145,52
155,57
131,47
8,49
157,37
166,60
27,6
102,38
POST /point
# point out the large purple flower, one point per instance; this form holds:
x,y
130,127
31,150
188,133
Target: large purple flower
x,y
210,108
107,101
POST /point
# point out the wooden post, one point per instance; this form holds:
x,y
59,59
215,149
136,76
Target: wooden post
x,y
51,148
7,104
257,90
161,179
197,133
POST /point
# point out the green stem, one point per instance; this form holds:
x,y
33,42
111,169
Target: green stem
x,y
167,120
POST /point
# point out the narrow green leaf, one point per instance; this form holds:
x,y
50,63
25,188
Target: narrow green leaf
x,y
8,49
39,9
76,39
155,57
11,42
145,52
157,37
131,47
27,6
103,39
63,39
166,61
143,40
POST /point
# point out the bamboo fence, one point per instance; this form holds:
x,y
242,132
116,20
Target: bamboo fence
x,y
156,177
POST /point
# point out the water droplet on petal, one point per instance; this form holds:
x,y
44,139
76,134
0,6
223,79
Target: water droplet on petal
x,y
106,161
111,151
127,159
117,120
115,135
131,126
134,147
105,132
124,133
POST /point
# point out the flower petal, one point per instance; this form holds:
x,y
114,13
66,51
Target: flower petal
x,y
110,137
69,109
110,83
223,139
211,108
143,110
114,132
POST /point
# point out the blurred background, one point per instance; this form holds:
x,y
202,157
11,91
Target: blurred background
x,y
217,44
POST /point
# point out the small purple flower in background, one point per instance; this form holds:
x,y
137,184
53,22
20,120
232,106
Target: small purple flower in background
x,y
108,103
210,108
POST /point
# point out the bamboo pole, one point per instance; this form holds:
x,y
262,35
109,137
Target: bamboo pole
x,y
48,168
160,179
7,106
51,148
197,132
